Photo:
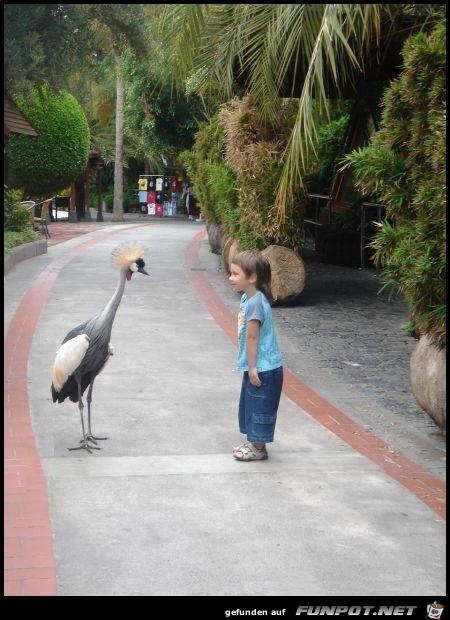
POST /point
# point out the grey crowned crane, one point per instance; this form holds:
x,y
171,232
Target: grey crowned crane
x,y
86,348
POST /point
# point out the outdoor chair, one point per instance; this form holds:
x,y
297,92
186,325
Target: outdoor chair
x,y
29,206
42,220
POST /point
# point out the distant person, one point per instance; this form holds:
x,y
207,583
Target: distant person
x,y
259,357
189,200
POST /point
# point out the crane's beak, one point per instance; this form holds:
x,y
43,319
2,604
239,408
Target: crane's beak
x,y
142,270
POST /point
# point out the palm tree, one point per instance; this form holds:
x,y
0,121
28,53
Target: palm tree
x,y
118,27
310,51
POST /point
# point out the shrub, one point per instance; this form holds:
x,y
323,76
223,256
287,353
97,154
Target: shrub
x,y
222,185
17,218
12,239
404,168
50,162
329,142
253,151
18,227
207,149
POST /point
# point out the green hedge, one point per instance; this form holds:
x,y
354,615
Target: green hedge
x,y
43,165
404,168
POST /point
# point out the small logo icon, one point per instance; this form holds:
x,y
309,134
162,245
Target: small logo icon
x,y
435,610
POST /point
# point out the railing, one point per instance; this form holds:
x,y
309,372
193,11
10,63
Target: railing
x,y
310,226
30,204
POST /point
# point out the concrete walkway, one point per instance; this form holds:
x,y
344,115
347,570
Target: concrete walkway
x,y
163,509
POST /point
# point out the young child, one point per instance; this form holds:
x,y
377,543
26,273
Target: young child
x,y
258,355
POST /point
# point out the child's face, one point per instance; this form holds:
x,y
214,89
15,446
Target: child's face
x,y
239,281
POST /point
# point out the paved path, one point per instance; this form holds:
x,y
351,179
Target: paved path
x,y
163,508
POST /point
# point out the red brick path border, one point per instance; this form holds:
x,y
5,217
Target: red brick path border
x,y
29,563
426,487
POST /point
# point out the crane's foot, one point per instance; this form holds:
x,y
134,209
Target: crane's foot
x,y
93,439
85,446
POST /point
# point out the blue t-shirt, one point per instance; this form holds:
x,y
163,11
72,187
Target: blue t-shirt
x,y
268,355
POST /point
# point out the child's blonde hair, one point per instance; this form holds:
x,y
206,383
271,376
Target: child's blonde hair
x,y
254,262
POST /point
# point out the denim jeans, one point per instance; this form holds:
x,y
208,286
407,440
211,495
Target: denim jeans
x,y
258,406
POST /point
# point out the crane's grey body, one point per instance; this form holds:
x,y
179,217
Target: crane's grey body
x,y
98,328
98,331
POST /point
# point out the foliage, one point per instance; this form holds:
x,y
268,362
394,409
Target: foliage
x,y
129,198
158,124
252,151
18,228
45,164
222,186
12,239
328,145
43,43
404,168
207,149
273,50
16,216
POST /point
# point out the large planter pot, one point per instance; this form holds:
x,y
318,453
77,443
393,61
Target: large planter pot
x,y
234,249
288,274
228,242
214,231
428,379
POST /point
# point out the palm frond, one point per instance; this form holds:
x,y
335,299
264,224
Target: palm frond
x,y
333,57
183,25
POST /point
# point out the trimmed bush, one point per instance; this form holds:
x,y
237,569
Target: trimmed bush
x,y
44,165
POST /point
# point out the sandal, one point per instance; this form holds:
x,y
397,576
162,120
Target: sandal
x,y
250,453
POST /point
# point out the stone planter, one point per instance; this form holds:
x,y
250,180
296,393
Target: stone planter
x,y
428,379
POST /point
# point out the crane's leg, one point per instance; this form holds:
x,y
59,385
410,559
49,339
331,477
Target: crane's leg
x,y
84,443
90,436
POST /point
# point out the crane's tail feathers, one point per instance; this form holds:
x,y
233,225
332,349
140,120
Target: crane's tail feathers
x,y
127,253
67,359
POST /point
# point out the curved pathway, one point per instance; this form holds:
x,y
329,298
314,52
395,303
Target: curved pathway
x,y
164,488
29,564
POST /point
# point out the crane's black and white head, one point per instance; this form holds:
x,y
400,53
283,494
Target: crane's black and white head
x,y
129,257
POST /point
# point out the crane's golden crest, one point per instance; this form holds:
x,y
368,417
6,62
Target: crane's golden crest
x,y
126,254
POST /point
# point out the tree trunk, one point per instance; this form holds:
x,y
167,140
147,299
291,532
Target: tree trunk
x,y
118,164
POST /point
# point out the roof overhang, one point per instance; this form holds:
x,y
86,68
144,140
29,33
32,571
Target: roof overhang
x,y
14,121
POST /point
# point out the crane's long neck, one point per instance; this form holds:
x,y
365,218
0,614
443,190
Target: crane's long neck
x,y
109,312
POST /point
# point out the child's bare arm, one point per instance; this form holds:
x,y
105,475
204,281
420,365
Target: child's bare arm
x,y
252,351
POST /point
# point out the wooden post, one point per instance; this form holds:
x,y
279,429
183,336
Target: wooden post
x,y
87,192
99,197
73,205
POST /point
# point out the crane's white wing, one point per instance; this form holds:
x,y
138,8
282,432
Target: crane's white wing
x,y
68,358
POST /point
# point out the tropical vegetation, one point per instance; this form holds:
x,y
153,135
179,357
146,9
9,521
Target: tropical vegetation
x,y
256,96
404,168
42,165
17,224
